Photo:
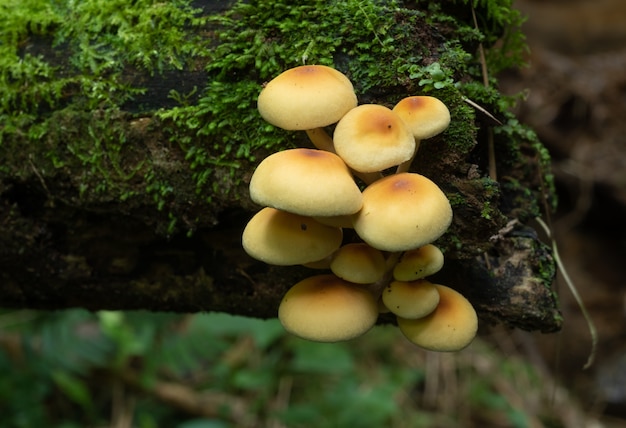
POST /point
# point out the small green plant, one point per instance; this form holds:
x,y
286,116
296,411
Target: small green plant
x,y
433,77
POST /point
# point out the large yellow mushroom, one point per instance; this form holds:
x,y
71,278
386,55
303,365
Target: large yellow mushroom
x,y
325,308
306,181
283,238
372,138
401,212
307,98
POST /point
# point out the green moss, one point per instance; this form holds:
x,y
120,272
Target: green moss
x,y
517,142
214,129
65,76
100,38
455,199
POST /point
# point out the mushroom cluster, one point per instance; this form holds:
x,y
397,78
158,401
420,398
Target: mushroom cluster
x,y
310,196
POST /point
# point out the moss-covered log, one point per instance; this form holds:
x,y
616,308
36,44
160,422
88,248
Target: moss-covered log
x,y
129,133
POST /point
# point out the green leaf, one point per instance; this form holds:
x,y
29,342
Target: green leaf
x,y
74,388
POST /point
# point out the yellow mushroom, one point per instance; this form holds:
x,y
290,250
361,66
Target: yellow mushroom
x,y
372,138
325,308
450,327
411,299
282,238
418,263
358,263
307,98
401,212
306,181
425,117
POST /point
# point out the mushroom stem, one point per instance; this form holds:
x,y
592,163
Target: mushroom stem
x,y
377,287
367,177
406,165
321,139
392,260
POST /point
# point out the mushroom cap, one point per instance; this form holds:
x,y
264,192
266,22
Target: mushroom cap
x,y
305,181
325,308
419,263
450,327
424,116
358,263
411,299
371,138
401,212
306,97
283,238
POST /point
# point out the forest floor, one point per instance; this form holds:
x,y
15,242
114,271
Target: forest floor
x,y
575,90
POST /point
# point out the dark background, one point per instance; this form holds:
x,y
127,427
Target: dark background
x,y
576,101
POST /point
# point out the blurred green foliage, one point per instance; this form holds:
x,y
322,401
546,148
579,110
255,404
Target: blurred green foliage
x,y
80,369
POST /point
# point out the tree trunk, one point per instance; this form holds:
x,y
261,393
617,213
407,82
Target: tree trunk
x,y
129,137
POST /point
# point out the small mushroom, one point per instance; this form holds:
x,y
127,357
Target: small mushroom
x,y
325,308
305,181
401,212
284,239
411,299
372,138
358,263
419,263
307,98
450,327
425,117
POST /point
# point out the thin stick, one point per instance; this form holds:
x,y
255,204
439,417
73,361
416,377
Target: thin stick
x,y
493,173
572,288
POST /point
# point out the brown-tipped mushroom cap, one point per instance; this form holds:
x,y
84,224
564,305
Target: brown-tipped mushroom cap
x,y
325,308
401,212
424,116
451,327
419,263
306,97
282,238
371,138
358,263
305,181
411,300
